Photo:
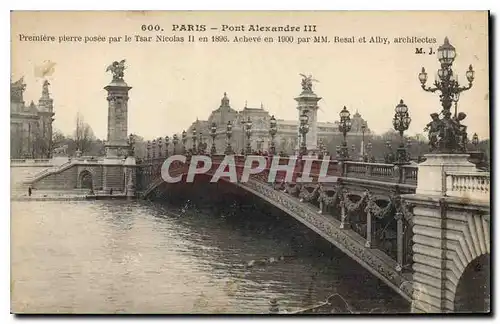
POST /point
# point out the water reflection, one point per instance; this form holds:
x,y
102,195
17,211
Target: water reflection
x,y
150,257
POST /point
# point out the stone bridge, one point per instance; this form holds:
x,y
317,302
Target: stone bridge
x,y
432,248
360,211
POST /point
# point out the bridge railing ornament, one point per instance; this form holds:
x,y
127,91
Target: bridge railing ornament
x,y
327,200
309,194
404,217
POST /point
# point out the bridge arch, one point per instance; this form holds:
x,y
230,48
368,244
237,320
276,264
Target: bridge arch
x,y
473,290
86,179
381,266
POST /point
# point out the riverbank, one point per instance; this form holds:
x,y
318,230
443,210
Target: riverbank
x,y
52,195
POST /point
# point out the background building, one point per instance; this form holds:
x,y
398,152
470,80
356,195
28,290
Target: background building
x,y
286,139
30,125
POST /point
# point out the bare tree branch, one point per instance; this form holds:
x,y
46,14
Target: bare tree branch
x,y
83,135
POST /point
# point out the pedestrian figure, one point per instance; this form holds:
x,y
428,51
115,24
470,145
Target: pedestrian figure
x,y
111,191
29,191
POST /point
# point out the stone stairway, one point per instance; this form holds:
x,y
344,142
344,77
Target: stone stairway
x,y
20,174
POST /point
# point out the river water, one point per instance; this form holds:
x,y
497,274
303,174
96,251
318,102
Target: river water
x,y
177,257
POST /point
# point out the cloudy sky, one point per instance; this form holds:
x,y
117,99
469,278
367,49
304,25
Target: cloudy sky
x,y
174,83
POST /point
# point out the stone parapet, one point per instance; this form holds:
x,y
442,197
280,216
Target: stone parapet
x,y
448,236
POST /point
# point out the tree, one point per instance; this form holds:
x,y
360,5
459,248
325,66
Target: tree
x,y
96,148
83,135
140,147
58,138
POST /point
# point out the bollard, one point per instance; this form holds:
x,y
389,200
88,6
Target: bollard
x,y
274,307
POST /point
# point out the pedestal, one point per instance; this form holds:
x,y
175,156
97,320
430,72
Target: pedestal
x,y
431,173
116,151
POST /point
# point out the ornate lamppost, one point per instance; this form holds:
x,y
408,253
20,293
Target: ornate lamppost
x,y
272,131
131,142
184,139
369,157
229,133
303,129
401,122
363,130
344,128
148,150
248,131
194,140
200,143
447,135
478,156
475,141
213,133
322,148
167,144
175,141
409,145
389,157
160,147
153,146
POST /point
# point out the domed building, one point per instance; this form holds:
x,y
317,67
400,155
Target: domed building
x,y
287,138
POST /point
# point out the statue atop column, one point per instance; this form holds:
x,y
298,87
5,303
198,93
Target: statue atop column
x,y
117,69
307,82
45,89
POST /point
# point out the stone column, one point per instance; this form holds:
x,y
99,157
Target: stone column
x,y
46,113
117,145
307,102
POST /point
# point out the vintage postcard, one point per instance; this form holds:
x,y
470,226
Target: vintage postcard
x,y
284,162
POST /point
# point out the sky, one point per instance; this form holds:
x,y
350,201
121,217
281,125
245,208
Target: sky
x,y
175,83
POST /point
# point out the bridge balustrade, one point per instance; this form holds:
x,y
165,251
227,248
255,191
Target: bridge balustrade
x,y
468,185
380,171
409,174
406,174
152,167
